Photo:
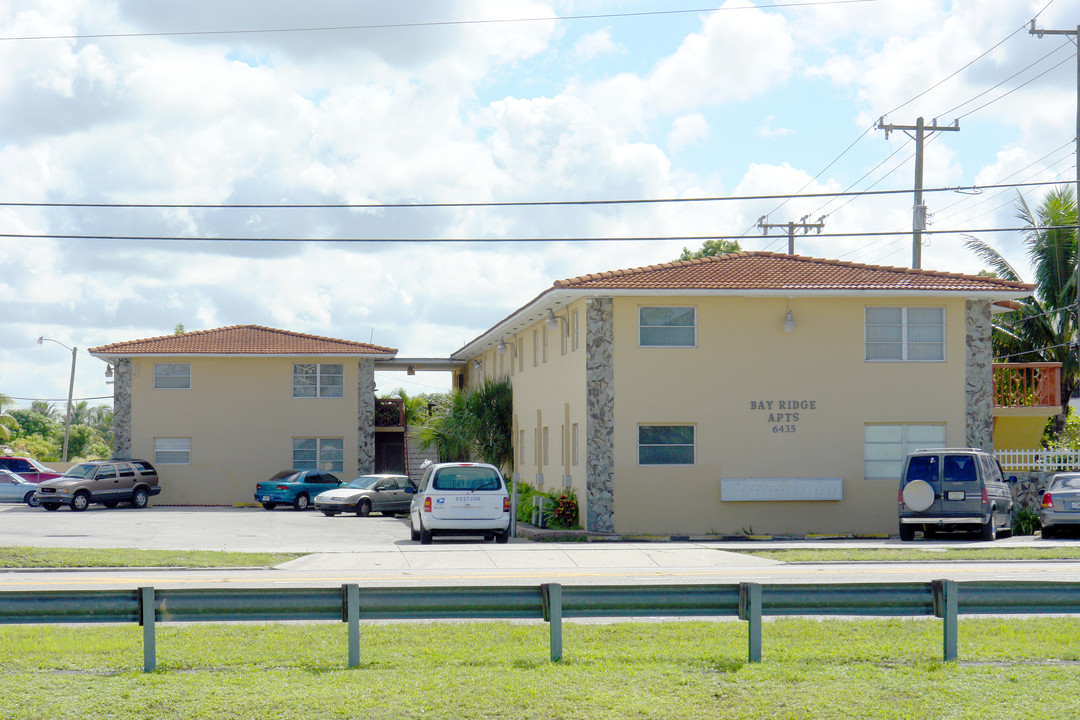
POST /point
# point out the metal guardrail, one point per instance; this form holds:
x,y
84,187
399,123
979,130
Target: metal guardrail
x,y
551,602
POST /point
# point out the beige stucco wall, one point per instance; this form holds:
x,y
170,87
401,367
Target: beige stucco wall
x,y
241,418
547,394
743,357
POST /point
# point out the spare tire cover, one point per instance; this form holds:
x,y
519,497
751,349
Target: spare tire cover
x,y
918,495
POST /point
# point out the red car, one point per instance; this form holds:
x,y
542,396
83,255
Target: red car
x,y
28,468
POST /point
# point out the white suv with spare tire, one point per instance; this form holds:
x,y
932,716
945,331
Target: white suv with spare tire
x,y
460,499
951,489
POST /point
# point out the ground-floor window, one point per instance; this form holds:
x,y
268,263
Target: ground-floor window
x,y
172,451
665,444
327,454
886,446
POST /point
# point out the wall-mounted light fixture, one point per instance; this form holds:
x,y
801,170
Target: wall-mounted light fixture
x,y
476,363
411,370
553,320
501,347
789,322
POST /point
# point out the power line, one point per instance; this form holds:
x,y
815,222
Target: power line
x,y
441,23
494,240
512,203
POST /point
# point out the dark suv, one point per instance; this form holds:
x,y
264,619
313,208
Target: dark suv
x,y
954,489
109,482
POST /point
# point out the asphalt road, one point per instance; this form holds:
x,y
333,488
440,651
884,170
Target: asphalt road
x,y
376,551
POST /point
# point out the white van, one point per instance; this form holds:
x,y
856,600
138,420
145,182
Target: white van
x,y
461,499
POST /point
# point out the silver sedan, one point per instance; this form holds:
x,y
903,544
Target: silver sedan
x,y
388,494
15,489
1061,504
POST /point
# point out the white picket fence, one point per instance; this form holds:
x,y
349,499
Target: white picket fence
x,y
1040,460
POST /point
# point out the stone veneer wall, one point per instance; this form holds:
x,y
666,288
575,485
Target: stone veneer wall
x,y
599,417
365,417
122,409
980,376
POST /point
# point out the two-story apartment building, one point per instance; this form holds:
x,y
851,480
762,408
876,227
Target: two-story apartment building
x,y
753,392
218,410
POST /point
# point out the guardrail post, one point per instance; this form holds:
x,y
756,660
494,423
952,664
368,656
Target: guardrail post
x,y
552,597
750,611
352,617
946,606
147,617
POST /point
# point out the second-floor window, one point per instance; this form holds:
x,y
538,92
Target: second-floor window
x,y
172,376
667,327
905,333
318,380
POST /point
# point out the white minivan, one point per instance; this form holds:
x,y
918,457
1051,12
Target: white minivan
x,y
461,499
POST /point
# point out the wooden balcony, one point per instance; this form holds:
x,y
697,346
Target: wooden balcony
x,y
389,413
1027,385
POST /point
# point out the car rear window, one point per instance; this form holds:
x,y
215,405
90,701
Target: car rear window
x,y
922,467
472,479
960,468
1067,483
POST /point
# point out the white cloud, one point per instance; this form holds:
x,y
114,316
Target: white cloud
x,y
687,129
765,128
595,44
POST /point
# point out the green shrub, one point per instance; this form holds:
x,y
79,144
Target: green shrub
x,y
1025,521
560,507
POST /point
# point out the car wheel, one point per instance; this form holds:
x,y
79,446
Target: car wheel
x,y
329,513
907,532
80,502
363,508
989,529
1047,533
425,535
31,499
269,506
140,499
301,502
502,538
414,534
50,506
110,503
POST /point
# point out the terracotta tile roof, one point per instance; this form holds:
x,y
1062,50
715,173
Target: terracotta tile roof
x,y
776,271
242,340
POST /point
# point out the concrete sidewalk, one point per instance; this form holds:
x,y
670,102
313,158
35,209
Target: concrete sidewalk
x,y
526,556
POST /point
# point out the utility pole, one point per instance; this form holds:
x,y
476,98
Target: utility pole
x,y
1076,35
918,221
791,226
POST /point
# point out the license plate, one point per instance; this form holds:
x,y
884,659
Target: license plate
x,y
955,495
266,498
1074,505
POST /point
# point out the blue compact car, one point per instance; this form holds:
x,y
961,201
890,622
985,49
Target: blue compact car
x,y
294,487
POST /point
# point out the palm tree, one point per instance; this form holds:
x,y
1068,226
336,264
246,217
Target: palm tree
x,y
1043,327
478,421
8,424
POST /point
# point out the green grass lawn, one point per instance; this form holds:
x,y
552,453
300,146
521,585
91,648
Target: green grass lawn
x,y
35,557
920,554
891,668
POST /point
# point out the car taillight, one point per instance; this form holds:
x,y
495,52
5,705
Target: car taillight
x,y
900,496
985,497
281,487
506,503
427,504
1048,501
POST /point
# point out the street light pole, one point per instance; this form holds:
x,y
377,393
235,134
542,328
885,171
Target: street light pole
x,y
71,390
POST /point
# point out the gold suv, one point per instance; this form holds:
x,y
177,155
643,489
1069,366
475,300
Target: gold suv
x,y
108,482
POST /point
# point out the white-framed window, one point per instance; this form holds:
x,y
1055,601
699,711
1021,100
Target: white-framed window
x,y
172,376
318,380
667,326
536,348
666,444
521,354
172,451
545,350
915,334
574,444
886,446
574,329
327,454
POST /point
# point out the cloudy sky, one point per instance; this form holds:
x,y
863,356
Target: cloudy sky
x,y
165,125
